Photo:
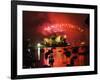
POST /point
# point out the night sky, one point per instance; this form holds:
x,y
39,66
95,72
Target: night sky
x,y
37,25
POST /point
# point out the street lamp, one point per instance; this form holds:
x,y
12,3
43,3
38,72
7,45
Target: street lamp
x,y
38,45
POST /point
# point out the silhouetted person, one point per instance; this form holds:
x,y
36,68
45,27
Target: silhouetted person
x,y
74,56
